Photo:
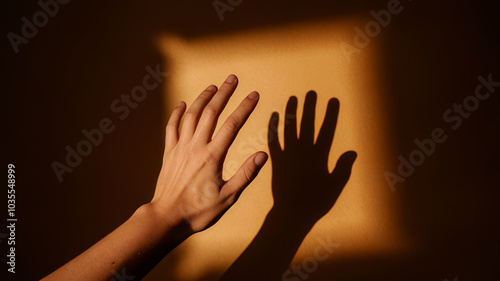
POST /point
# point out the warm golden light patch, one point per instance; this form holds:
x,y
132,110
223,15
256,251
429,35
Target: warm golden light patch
x,y
280,62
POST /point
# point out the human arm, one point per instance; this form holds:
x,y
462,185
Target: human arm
x,y
190,194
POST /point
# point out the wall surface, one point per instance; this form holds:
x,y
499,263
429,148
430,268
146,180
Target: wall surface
x,y
403,73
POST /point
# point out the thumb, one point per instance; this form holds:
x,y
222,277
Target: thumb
x,y
243,177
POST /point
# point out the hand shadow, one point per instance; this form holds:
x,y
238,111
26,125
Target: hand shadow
x,y
303,190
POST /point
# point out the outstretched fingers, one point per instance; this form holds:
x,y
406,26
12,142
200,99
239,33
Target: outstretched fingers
x,y
194,112
210,115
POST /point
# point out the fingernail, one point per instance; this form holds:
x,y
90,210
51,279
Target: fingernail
x,y
210,88
231,78
180,104
253,95
260,159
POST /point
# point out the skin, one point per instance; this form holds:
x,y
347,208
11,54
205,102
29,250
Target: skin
x,y
190,194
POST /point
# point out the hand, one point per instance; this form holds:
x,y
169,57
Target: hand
x,y
303,187
190,187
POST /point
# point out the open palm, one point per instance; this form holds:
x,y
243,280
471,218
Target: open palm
x,y
303,188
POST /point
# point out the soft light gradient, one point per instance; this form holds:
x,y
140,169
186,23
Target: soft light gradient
x,y
280,62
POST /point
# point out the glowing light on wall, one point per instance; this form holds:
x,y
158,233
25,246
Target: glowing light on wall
x,y
280,62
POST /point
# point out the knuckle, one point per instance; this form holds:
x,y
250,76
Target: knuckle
x,y
207,94
210,112
191,115
232,198
248,173
171,126
209,156
232,124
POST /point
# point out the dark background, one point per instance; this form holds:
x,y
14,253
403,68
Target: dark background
x,y
66,77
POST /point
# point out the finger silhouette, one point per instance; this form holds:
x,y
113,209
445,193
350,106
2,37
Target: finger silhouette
x,y
307,124
291,123
327,131
272,135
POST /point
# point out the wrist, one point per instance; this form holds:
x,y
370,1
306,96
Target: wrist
x,y
289,222
172,226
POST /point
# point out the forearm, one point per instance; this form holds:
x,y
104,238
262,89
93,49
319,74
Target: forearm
x,y
133,249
